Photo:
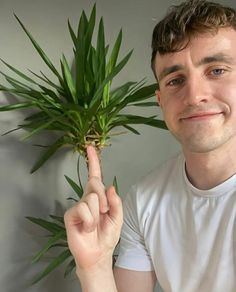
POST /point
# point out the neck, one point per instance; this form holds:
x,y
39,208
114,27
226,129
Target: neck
x,y
207,170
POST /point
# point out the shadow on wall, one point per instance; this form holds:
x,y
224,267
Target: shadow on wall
x,y
23,194
26,240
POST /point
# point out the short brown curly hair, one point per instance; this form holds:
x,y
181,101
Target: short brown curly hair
x,y
189,18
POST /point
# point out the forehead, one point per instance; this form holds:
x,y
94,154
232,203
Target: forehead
x,y
199,47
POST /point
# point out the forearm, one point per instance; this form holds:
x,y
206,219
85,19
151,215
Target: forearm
x,y
98,279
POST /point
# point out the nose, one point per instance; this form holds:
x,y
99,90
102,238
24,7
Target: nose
x,y
196,91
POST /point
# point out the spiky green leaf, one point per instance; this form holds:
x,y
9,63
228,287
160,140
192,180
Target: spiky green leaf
x,y
59,219
60,235
61,258
40,51
144,104
114,54
68,78
78,190
69,268
52,227
131,129
115,184
97,96
16,106
48,154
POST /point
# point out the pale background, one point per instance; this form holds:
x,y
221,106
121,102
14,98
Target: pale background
x,y
45,192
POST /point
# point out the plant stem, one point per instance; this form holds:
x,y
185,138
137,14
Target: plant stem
x,y
78,171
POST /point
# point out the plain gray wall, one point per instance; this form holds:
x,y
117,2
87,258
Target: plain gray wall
x,y
45,192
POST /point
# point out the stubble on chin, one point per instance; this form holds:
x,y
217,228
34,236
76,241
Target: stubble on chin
x,y
204,140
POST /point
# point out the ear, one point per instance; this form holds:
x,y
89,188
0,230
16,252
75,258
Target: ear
x,y
158,96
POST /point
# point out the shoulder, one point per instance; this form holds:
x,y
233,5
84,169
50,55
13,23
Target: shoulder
x,y
165,175
157,183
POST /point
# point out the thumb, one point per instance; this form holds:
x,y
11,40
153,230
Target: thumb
x,y
115,205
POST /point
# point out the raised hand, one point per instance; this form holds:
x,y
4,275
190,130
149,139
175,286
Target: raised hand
x,y
93,225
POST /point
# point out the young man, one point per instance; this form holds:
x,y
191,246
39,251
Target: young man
x,y
179,222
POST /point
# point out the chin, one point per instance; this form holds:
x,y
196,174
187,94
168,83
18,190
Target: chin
x,y
200,147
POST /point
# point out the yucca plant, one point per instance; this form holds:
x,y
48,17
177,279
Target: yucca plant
x,y
81,107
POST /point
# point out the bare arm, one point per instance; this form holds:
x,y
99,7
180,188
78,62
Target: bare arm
x,y
93,229
127,280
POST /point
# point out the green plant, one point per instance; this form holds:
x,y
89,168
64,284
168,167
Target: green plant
x,y
81,107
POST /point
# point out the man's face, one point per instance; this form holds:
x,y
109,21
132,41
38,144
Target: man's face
x,y
198,91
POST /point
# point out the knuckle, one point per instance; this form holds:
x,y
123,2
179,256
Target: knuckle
x,y
81,206
92,197
95,182
69,213
93,179
96,187
89,199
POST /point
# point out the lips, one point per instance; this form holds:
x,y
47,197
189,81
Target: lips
x,y
200,116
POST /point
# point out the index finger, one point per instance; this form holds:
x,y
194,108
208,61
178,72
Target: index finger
x,y
94,168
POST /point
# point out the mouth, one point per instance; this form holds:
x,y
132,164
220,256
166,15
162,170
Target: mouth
x,y
201,116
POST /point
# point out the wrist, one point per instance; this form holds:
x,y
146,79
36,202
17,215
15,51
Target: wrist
x,y
98,277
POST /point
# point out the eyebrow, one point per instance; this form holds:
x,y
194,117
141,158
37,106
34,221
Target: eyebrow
x,y
219,57
168,70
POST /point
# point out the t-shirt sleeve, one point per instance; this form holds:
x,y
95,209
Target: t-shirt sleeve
x,y
132,252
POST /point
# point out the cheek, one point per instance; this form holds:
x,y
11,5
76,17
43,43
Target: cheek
x,y
170,104
225,89
170,95
170,111
227,96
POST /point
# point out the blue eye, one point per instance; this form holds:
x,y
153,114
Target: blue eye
x,y
218,71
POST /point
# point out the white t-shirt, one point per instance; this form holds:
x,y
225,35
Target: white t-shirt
x,y
187,235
